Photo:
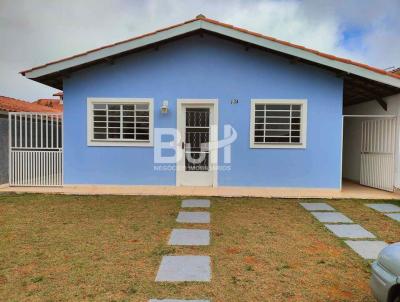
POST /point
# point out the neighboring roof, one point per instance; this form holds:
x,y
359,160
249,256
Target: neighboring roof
x,y
52,103
14,105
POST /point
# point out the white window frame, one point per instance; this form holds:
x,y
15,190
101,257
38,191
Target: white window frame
x,y
125,101
303,123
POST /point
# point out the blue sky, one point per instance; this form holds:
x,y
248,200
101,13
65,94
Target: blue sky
x,y
36,32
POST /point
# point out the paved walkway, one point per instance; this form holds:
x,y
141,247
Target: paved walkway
x,y
187,268
349,190
388,209
363,242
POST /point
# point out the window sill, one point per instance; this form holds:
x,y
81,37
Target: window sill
x,y
277,146
93,143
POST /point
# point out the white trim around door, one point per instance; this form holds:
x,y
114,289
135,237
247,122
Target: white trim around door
x,y
185,177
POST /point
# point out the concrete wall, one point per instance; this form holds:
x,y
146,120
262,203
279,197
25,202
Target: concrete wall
x,y
201,68
3,149
352,135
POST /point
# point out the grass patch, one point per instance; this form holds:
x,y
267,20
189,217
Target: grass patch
x,y
108,248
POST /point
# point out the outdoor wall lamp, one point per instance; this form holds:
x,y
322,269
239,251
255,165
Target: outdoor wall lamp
x,y
164,107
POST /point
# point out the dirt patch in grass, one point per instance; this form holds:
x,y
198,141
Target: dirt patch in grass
x,y
108,248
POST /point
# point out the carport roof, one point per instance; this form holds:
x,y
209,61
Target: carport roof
x,y
361,82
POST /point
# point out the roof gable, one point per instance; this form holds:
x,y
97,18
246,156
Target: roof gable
x,y
347,67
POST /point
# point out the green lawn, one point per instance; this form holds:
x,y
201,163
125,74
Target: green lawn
x,y
108,248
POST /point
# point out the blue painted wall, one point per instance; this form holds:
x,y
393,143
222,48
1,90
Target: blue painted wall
x,y
208,68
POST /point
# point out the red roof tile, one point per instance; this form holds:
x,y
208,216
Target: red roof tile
x,y
200,17
14,105
52,103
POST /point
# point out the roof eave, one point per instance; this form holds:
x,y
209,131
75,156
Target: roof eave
x,y
111,51
213,26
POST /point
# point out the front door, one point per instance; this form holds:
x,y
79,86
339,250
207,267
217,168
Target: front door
x,y
196,123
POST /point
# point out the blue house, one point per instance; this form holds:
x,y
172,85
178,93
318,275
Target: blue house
x,y
204,103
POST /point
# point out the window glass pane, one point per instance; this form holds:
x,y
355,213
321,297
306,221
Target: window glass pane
x,y
278,113
277,120
142,113
129,125
260,107
277,139
128,136
142,136
99,106
129,130
99,136
277,126
102,124
113,113
99,119
113,130
277,107
114,107
113,135
142,131
99,112
142,119
129,107
296,107
277,133
142,106
129,119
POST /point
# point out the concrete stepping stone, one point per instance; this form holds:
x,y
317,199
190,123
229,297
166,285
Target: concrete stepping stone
x,y
317,206
384,207
395,216
184,268
174,300
349,231
367,249
193,217
331,217
195,203
189,237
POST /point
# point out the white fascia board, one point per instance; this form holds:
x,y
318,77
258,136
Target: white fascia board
x,y
114,50
349,68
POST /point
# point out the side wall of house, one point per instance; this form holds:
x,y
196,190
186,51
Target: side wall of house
x,y
352,135
208,68
3,149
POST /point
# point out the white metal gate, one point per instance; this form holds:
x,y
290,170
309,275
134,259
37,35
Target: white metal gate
x,y
36,149
378,137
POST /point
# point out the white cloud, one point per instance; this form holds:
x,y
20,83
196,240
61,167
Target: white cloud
x,y
36,32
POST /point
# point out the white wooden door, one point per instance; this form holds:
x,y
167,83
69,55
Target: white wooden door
x,y
196,122
378,137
